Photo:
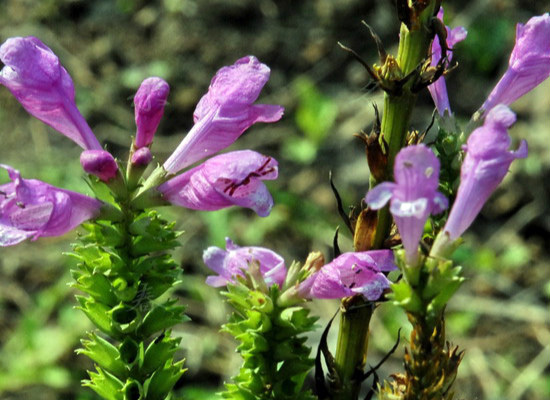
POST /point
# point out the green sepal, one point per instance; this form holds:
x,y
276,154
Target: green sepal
x,y
99,314
103,354
443,282
161,349
132,390
96,285
163,380
105,384
151,233
403,296
129,351
161,317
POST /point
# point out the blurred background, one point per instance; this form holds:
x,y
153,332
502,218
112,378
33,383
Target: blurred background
x,y
500,315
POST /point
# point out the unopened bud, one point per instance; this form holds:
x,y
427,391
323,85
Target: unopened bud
x,y
99,163
149,107
142,157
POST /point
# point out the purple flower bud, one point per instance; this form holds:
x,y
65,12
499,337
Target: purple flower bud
x,y
99,163
33,74
438,89
353,273
233,178
149,104
30,209
142,156
529,63
225,112
414,195
231,263
485,165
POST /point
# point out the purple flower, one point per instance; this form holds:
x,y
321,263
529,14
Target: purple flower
x,y
33,74
529,63
225,112
99,163
352,273
231,262
30,209
485,165
438,89
414,195
149,104
142,156
233,178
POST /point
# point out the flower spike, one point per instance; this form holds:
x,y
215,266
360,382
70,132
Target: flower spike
x,y
225,112
30,208
34,75
233,178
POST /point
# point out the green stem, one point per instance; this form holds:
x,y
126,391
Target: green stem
x,y
351,348
353,335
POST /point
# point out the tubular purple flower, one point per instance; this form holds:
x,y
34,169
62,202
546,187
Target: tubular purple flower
x,y
34,75
231,263
486,163
149,102
225,112
233,178
99,163
30,208
413,196
353,273
438,89
529,63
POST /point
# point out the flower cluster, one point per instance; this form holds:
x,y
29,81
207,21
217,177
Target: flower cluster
x,y
35,76
350,274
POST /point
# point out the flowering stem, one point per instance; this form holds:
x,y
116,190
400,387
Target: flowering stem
x,y
351,348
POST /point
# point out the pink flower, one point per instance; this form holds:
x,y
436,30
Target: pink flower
x,y
149,104
529,63
486,163
413,196
353,273
225,112
34,75
99,163
231,263
31,209
438,89
228,179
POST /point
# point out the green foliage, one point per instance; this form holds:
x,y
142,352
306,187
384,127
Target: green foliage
x,y
121,269
315,115
272,345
